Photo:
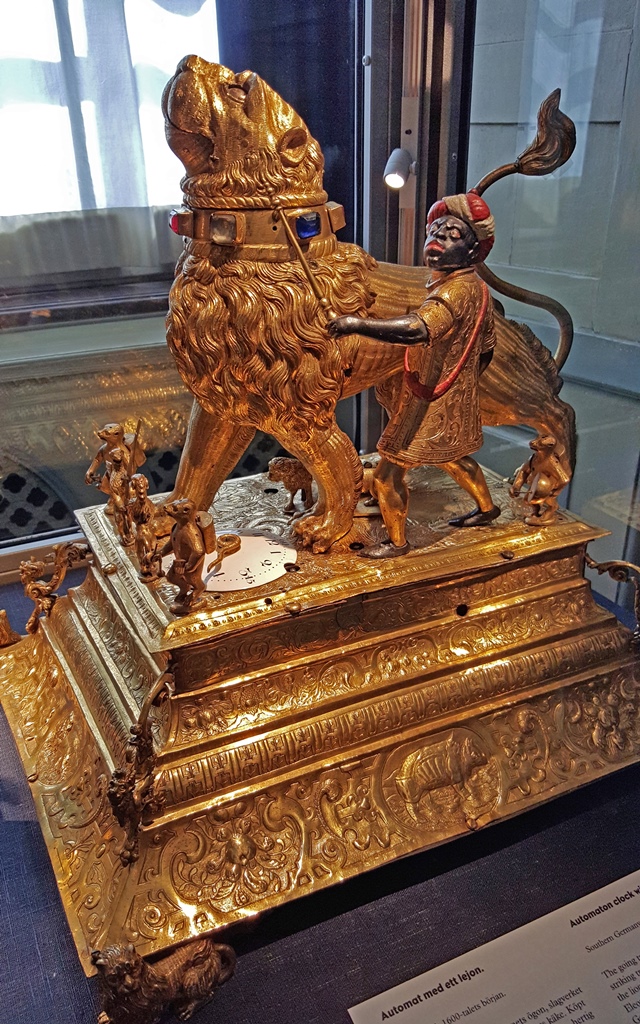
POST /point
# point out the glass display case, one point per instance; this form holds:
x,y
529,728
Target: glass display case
x,y
238,754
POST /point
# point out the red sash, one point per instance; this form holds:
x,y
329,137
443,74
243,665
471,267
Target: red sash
x,y
426,394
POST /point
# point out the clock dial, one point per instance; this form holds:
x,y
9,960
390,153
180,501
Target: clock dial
x,y
262,558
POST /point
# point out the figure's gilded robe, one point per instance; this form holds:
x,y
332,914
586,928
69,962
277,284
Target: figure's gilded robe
x,y
444,429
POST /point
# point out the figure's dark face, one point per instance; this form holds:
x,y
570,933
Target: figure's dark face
x,y
450,244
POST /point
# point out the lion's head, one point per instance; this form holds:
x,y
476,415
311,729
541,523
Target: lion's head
x,y
122,969
241,144
247,332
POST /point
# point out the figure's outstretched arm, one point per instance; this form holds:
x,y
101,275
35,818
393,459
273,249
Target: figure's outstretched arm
x,y
402,330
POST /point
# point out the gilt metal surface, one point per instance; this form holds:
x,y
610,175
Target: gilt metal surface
x,y
319,725
247,323
348,712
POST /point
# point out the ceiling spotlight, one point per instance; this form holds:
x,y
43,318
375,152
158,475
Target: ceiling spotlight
x,y
399,166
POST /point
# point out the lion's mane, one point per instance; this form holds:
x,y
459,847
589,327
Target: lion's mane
x,y
255,180
250,336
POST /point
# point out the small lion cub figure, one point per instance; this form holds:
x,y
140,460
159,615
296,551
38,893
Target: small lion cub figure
x,y
136,992
295,478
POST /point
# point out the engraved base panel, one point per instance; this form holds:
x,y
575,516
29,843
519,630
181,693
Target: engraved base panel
x,y
323,723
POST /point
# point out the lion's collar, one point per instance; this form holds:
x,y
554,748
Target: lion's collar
x,y
258,234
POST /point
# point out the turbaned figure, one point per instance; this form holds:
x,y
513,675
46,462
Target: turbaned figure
x,y
450,341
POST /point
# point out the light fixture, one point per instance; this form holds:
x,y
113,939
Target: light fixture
x,y
398,168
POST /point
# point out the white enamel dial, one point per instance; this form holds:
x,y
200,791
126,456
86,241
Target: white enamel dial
x,y
262,558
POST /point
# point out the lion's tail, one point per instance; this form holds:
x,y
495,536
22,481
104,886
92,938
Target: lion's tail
x,y
556,309
552,146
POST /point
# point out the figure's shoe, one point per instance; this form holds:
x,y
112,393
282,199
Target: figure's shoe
x,y
384,550
476,517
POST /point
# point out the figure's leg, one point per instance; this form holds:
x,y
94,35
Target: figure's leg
x,y
390,489
334,464
544,511
467,474
211,450
197,583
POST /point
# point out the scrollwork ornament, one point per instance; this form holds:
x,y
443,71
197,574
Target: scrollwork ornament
x,y
601,718
240,854
41,591
526,748
350,811
135,794
622,572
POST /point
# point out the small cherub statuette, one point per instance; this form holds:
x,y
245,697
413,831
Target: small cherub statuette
x,y
114,438
143,512
295,477
543,477
192,537
120,487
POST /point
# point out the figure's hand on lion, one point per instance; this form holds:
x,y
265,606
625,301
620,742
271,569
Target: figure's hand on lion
x,y
344,325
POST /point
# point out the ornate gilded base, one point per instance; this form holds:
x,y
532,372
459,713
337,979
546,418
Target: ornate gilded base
x,y
348,713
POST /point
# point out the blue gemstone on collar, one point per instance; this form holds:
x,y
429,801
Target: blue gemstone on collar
x,y
308,225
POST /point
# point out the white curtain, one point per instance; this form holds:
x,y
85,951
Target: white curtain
x,y
82,130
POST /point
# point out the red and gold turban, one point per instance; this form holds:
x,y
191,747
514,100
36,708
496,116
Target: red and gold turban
x,y
471,208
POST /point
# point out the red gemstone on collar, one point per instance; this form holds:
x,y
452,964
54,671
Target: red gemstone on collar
x,y
173,222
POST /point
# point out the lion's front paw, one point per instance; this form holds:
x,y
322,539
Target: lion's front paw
x,y
319,532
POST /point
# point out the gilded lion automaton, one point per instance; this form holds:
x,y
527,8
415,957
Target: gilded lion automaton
x,y
247,328
236,708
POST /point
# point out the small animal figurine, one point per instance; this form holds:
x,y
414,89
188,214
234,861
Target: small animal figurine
x,y
543,476
120,487
192,537
143,512
114,437
295,477
137,992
